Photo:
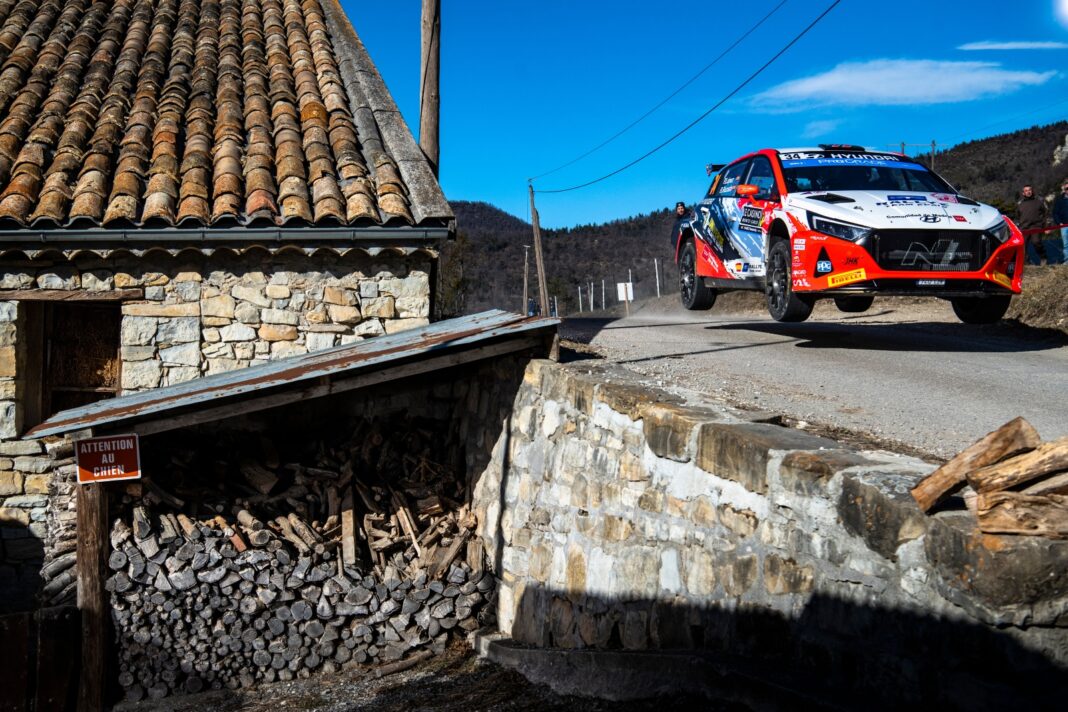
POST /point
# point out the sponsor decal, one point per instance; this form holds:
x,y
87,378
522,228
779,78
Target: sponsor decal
x,y
802,159
824,265
1002,279
931,219
907,198
851,261
930,282
837,280
941,256
799,244
942,198
916,216
906,204
960,218
801,282
751,219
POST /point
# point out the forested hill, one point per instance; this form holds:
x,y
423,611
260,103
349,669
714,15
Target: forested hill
x,y
494,256
991,170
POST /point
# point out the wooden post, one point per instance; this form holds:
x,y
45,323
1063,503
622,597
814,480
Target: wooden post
x,y
92,554
656,268
526,279
429,91
539,261
580,299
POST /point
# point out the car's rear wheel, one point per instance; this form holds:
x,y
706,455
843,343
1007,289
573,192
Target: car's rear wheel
x,y
783,303
980,310
853,305
695,295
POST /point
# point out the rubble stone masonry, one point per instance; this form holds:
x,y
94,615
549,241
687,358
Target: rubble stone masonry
x,y
625,517
199,315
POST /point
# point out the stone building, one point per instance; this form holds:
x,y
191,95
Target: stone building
x,y
186,187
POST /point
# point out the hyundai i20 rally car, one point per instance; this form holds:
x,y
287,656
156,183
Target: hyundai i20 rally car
x,y
846,223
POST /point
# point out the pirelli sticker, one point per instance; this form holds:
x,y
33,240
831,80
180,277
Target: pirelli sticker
x,y
837,280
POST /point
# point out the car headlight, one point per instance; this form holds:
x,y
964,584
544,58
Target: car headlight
x,y
1001,231
835,228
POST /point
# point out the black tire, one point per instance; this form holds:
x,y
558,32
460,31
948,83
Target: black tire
x,y
980,310
783,304
853,305
695,295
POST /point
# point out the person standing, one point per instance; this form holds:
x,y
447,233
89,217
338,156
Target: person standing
x,y
681,214
1031,215
1060,217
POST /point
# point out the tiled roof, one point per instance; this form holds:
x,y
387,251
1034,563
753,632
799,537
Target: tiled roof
x,y
202,113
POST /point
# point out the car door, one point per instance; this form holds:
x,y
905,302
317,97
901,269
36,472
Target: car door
x,y
719,212
754,209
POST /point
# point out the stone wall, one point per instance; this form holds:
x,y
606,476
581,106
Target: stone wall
x,y
625,517
200,315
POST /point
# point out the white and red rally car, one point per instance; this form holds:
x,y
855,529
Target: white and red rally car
x,y
846,223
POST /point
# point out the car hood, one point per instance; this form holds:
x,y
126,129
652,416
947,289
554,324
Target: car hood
x,y
896,209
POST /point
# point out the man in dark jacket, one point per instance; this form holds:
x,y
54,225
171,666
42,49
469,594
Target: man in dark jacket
x,y
1060,217
681,214
1031,215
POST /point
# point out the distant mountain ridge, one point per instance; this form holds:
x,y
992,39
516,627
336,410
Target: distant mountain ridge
x,y
991,170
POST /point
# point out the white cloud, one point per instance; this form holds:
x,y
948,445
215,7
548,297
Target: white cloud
x,y
816,129
898,82
993,45
1062,11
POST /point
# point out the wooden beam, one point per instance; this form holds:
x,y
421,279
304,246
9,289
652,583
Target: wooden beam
x,y
167,421
74,295
91,557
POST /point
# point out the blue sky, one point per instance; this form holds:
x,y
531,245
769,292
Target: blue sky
x,y
527,87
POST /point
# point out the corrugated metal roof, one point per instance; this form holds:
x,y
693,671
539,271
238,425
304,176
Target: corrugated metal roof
x,y
379,353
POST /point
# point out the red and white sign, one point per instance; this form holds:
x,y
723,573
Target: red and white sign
x,y
117,457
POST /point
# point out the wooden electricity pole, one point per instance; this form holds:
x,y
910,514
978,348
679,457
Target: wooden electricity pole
x,y
526,273
92,600
429,94
539,262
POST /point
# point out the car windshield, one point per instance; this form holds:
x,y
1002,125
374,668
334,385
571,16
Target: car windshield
x,y
834,172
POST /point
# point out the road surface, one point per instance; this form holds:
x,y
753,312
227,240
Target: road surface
x,y
902,374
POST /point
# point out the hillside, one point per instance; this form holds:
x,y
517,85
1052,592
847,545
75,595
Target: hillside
x,y
486,262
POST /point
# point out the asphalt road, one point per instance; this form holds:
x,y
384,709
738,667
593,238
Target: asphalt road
x,y
901,374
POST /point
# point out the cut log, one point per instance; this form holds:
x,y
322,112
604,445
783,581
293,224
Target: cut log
x,y
1057,484
404,517
402,665
1047,459
1017,513
248,521
289,535
259,477
1011,439
439,568
348,529
192,531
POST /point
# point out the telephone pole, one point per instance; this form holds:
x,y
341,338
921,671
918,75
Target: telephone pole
x,y
539,262
526,272
429,92
656,268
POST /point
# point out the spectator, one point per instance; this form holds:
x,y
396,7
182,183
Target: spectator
x,y
1031,215
681,214
1060,217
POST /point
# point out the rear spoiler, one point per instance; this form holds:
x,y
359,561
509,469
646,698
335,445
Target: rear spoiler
x,y
711,168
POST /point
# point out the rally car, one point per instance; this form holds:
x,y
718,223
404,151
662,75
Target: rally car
x,y
847,223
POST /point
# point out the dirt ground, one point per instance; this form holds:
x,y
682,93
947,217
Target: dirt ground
x,y
455,682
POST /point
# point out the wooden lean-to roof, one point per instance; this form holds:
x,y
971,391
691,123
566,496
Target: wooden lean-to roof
x,y
200,113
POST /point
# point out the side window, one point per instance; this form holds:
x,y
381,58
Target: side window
x,y
762,177
732,178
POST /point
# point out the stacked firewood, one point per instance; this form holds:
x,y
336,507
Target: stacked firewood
x,y
1018,484
313,568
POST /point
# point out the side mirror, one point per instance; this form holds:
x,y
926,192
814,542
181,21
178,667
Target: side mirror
x,y
746,190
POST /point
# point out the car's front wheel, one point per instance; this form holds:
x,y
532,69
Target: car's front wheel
x,y
853,305
980,310
783,303
695,295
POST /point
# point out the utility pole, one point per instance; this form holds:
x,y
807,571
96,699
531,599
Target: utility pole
x,y
656,268
556,307
429,86
933,147
526,272
580,300
539,262
593,301
603,305
902,148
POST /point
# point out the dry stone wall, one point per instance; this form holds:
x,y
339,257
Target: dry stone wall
x,y
625,517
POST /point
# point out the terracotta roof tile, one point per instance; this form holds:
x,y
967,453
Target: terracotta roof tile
x,y
199,112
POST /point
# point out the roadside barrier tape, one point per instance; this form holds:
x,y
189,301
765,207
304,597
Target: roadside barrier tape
x,y
1037,230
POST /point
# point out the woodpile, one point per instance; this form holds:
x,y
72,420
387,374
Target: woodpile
x,y
1017,484
361,553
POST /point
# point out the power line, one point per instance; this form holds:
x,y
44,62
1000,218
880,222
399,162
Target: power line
x,y
671,96
700,118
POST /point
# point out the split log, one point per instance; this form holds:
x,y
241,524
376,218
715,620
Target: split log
x,y
1018,513
1047,459
1015,437
348,530
259,477
1057,484
286,530
192,531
